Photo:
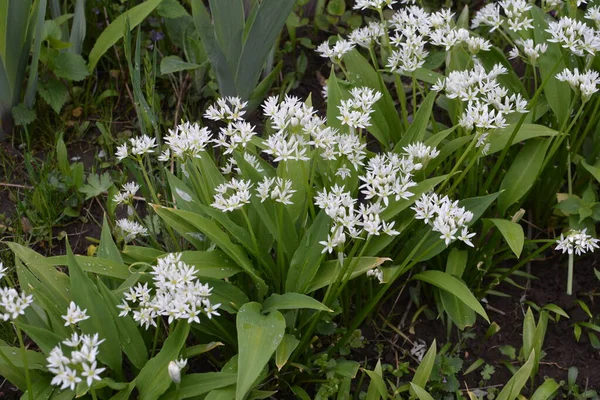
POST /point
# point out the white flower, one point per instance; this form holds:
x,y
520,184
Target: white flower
x,y
13,303
574,35
128,192
235,200
356,111
131,229
74,314
585,82
174,368
2,270
445,217
367,36
335,53
186,141
376,4
91,372
376,273
142,145
122,152
578,242
227,109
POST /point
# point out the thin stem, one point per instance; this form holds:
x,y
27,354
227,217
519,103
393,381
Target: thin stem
x,y
570,276
368,308
93,393
458,164
532,104
414,96
25,363
155,341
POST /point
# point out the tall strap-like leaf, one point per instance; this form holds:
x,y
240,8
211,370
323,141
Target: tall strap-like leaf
x,y
78,29
269,20
37,45
228,22
216,56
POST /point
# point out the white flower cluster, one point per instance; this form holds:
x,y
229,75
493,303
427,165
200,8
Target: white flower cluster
x,y
445,216
421,153
78,363
487,101
593,14
368,35
130,229
336,52
375,4
175,368
574,35
178,294
516,12
227,109
125,196
388,175
586,83
74,315
231,165
235,200
340,206
277,189
186,141
530,51
298,128
577,241
139,146
376,273
12,303
356,111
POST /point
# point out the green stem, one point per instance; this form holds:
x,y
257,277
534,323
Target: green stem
x,y
414,96
570,276
368,308
469,166
532,104
25,363
458,164
155,341
93,393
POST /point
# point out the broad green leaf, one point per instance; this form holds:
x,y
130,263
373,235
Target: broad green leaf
x,y
461,314
198,349
457,262
194,385
513,388
230,296
211,264
592,169
153,380
386,124
216,235
454,286
513,234
223,72
306,260
377,388
334,99
98,266
78,28
292,301
100,321
35,360
114,32
55,93
258,337
546,390
522,173
416,130
172,9
329,271
107,248
69,66
228,24
427,75
285,350
46,340
499,139
424,370
557,93
132,341
261,34
172,64
420,392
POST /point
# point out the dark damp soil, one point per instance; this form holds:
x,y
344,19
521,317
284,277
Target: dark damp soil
x,y
561,349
